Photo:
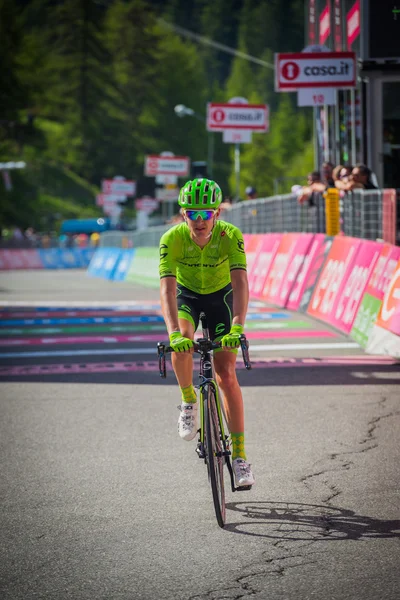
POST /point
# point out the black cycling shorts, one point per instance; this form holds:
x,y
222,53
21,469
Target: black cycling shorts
x,y
217,307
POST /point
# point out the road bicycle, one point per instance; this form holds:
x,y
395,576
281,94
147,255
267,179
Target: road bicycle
x,y
213,444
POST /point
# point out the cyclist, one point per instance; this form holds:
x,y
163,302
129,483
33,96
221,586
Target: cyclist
x,y
203,268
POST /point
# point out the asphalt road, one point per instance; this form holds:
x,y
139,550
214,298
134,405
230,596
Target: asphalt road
x,y
100,499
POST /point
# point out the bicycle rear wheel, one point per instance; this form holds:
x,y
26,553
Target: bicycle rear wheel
x,y
214,454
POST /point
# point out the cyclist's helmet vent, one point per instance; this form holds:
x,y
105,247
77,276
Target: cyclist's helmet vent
x,y
200,193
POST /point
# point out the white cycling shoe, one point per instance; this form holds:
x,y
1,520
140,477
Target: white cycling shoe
x,y
242,472
188,422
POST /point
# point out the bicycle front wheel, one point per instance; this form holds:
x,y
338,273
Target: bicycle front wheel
x,y
214,454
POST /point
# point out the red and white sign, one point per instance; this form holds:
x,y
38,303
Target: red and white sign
x,y
236,137
315,70
325,24
146,204
166,165
223,117
353,23
108,199
121,187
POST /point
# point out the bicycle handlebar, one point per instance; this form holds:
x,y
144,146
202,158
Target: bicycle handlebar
x,y
201,347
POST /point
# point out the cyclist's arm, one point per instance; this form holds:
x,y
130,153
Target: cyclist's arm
x,y
169,307
240,287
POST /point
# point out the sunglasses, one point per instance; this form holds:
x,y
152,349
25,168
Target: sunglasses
x,y
206,215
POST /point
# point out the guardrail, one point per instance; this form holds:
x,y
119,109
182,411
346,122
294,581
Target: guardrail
x,y
369,214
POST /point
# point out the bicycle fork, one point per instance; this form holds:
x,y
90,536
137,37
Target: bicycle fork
x,y
225,452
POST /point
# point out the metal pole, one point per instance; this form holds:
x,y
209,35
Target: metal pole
x,y
337,130
353,126
315,137
210,154
326,133
237,170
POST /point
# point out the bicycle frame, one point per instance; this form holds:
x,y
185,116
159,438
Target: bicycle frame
x,y
204,346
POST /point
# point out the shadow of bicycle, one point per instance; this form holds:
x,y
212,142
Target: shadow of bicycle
x,y
292,521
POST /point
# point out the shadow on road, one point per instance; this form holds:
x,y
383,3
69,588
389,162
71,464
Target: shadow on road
x,y
279,373
288,521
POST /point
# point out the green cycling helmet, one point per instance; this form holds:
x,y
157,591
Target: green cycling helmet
x,y
200,193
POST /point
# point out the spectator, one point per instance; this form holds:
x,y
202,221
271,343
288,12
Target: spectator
x,y
326,174
251,193
226,204
360,178
344,177
314,184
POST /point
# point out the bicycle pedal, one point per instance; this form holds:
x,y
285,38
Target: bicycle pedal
x,y
243,488
200,450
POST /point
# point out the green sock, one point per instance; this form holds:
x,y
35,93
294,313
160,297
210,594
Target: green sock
x,y
188,394
238,446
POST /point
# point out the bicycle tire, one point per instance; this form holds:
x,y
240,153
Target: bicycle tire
x,y
214,446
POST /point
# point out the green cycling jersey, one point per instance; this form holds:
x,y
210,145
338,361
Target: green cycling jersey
x,y
202,270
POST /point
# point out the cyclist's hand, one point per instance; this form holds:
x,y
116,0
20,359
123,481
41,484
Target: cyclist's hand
x,y
179,343
232,339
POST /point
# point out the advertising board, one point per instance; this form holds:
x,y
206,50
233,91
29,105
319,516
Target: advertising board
x,y
315,70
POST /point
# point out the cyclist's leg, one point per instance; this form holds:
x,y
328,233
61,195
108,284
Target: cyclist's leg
x,y
182,362
225,373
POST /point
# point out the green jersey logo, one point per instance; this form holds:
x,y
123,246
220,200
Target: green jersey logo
x,y
185,307
220,328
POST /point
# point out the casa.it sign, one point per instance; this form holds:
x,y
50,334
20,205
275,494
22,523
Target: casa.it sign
x,y
166,165
315,70
224,117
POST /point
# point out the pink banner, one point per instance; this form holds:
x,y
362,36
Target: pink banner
x,y
333,277
264,260
389,314
389,218
288,260
296,293
383,271
252,245
20,259
349,297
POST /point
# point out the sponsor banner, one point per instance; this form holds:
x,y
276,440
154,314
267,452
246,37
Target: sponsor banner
x,y
119,187
349,298
146,204
285,267
325,24
310,272
314,69
166,165
104,262
382,341
144,267
122,267
373,296
263,262
334,274
389,314
20,259
223,117
252,245
389,216
353,23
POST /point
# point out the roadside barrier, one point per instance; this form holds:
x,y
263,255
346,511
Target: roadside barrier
x,y
49,258
351,284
